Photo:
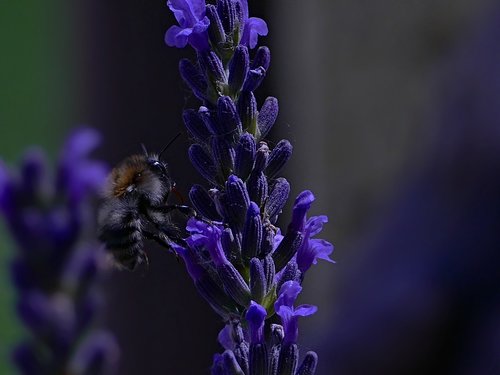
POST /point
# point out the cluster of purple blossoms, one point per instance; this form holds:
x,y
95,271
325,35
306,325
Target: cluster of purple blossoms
x,y
240,262
56,268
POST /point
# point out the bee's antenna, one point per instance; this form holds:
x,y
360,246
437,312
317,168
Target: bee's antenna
x,y
144,149
168,144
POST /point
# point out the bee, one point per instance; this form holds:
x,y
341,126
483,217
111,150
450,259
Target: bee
x,y
135,208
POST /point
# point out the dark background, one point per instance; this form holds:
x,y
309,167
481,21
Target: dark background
x,y
392,107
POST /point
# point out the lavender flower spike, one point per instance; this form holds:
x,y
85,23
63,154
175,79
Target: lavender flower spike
x,y
56,268
243,252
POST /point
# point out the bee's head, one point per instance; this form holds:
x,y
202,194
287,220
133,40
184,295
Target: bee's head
x,y
143,176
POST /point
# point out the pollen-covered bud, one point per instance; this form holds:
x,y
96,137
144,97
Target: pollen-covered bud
x,y
274,354
258,359
234,284
224,156
227,14
193,78
241,352
309,364
238,69
245,156
227,116
278,158
269,272
237,199
215,29
258,284
195,125
290,273
252,232
231,245
210,123
267,115
268,238
262,58
257,188
288,359
277,199
247,109
213,67
203,203
203,163
254,79
261,158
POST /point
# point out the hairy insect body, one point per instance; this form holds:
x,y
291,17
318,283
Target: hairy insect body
x,y
135,209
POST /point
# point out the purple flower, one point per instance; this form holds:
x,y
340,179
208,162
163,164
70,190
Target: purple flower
x,y
253,27
289,315
209,237
255,316
193,24
313,249
77,174
302,204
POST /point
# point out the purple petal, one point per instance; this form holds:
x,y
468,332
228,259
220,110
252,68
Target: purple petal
x,y
311,250
301,206
254,27
255,316
314,224
196,226
322,249
208,236
194,269
177,36
80,144
305,310
193,24
225,337
288,294
187,12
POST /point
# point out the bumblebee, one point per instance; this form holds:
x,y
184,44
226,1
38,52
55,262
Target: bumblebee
x,y
135,208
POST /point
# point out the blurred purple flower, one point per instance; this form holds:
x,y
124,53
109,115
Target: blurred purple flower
x,y
56,267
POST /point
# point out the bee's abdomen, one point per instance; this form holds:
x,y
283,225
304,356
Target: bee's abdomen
x,y
121,231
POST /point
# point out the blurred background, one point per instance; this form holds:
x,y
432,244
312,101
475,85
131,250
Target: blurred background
x,y
393,108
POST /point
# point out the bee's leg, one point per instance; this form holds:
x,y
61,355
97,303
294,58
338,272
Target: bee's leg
x,y
163,241
186,210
